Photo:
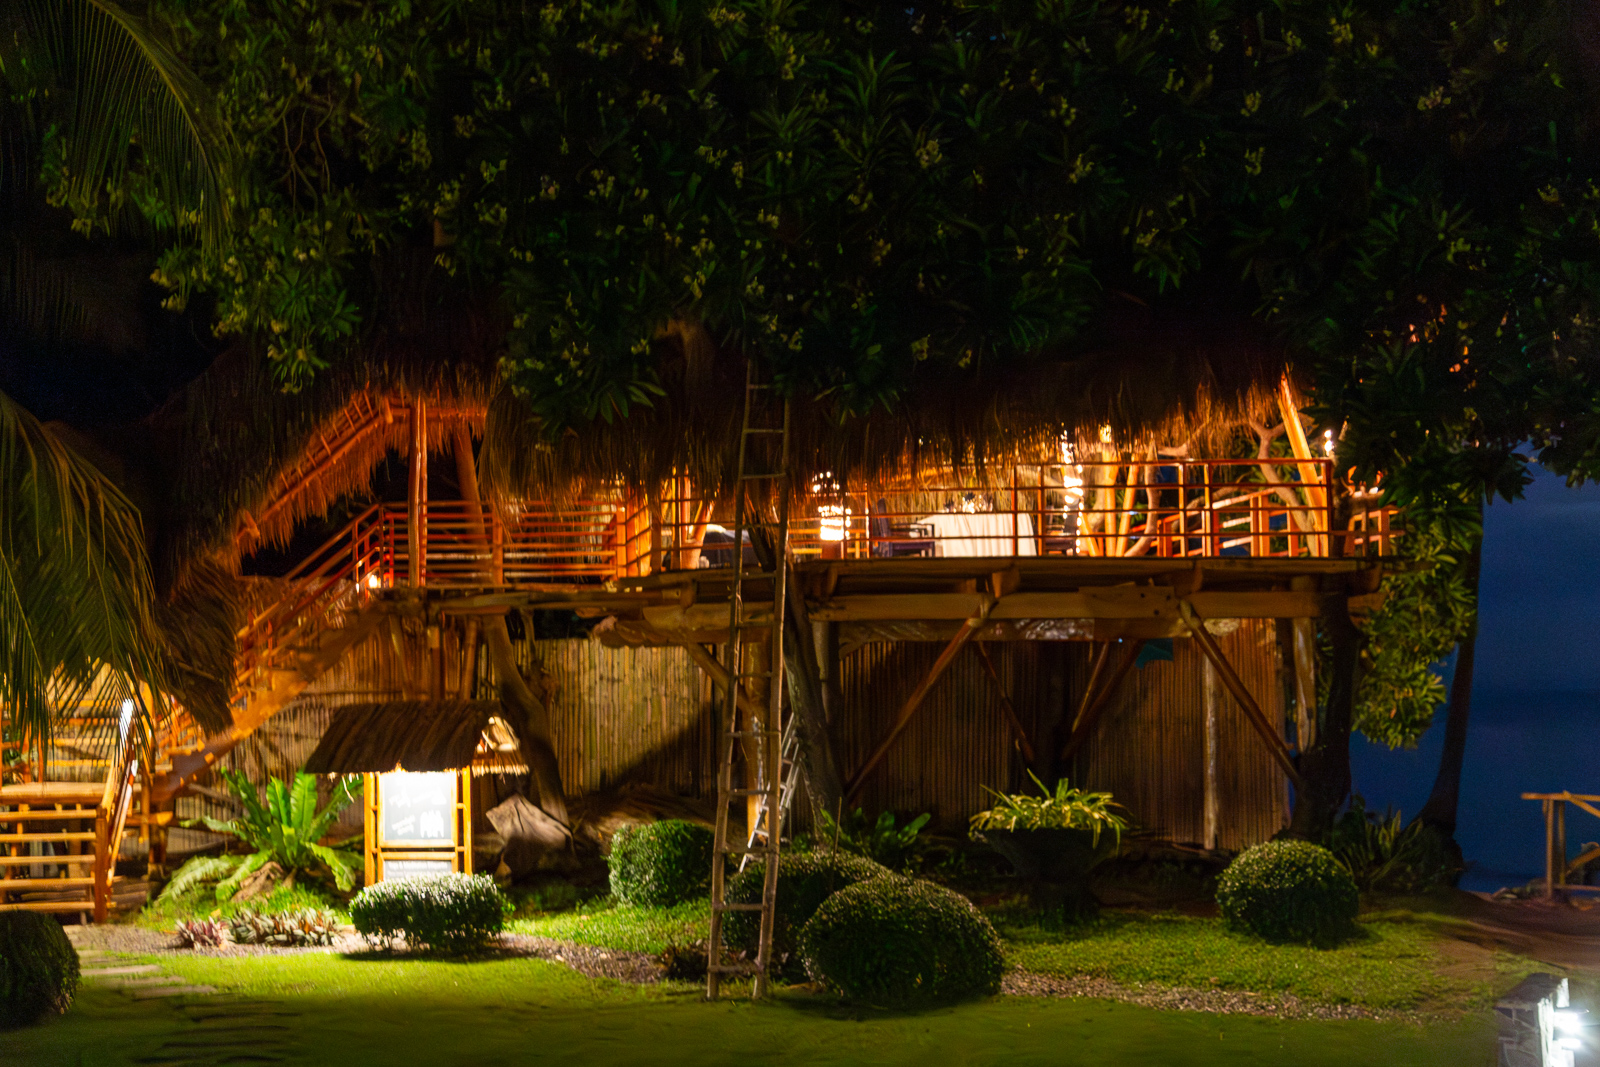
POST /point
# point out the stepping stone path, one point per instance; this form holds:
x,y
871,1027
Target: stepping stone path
x,y
141,981
225,1030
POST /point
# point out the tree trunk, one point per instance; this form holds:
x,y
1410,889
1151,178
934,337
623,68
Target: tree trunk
x,y
530,716
1439,813
1325,767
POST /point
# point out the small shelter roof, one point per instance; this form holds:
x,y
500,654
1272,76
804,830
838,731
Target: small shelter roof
x,y
418,735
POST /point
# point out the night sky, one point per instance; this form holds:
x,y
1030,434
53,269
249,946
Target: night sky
x,y
1536,691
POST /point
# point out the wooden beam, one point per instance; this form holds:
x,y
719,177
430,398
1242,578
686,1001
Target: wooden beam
x,y
719,676
1230,678
1005,702
1095,701
1289,408
909,708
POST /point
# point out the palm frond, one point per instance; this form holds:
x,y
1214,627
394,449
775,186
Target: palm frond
x,y
75,588
198,871
119,97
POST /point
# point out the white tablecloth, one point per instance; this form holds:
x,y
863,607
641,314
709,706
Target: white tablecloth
x,y
983,533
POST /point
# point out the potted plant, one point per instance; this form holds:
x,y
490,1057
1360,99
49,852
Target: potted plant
x,y
1053,840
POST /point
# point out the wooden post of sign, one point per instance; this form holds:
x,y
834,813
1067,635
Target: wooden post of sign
x,y
1561,844
369,825
464,822
1549,847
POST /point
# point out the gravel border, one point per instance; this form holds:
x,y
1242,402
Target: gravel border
x,y
640,968
1020,983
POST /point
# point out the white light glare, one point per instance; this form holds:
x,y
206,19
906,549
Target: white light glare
x,y
1570,1022
372,581
835,520
127,717
1568,1044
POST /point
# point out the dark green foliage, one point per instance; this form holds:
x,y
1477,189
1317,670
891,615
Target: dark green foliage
x,y
805,880
1384,854
903,942
660,864
881,841
38,968
449,912
1289,891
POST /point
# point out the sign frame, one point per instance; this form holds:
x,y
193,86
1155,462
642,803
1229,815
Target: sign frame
x,y
458,850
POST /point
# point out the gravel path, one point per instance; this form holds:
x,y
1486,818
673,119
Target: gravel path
x,y
1020,983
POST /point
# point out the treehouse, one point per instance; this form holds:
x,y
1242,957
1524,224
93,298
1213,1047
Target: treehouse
x,y
1119,607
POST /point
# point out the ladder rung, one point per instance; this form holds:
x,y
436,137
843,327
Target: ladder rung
x,y
762,429
725,906
751,792
735,968
746,850
763,477
753,733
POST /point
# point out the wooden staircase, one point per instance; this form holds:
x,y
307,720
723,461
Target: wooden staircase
x,y
59,842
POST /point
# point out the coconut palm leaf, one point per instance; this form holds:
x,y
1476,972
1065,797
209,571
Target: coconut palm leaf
x,y
198,871
112,93
75,588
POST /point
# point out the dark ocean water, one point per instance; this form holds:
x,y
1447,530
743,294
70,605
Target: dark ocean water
x,y
1519,742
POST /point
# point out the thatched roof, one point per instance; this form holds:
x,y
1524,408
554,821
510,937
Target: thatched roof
x,y
1154,377
416,735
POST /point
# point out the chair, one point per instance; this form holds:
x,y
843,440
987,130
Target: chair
x,y
890,539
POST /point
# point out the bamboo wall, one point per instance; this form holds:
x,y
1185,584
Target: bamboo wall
x,y
1149,750
646,715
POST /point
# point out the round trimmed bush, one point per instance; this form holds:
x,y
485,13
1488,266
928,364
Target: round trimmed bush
x,y
661,863
1288,891
898,941
38,968
805,880
448,912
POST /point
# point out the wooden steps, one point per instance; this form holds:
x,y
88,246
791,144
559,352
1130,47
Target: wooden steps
x,y
82,823
44,885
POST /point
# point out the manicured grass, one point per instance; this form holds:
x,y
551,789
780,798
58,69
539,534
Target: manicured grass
x,y
1389,965
326,1009
627,927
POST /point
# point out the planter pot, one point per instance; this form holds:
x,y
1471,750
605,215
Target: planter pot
x,y
1056,864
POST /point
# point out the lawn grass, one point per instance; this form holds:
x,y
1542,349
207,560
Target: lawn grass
x,y
627,927
1388,965
320,1008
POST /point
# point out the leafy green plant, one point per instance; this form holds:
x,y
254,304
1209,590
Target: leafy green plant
x,y
452,913
285,830
1382,853
38,968
902,941
311,926
878,840
805,880
660,864
1065,809
1289,891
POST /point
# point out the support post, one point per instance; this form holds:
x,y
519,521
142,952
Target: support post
x,y
1549,848
1209,803
1304,658
1010,712
909,708
1561,844
1252,710
1095,700
417,492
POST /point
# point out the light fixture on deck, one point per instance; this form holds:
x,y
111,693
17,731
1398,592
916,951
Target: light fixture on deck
x,y
833,520
373,581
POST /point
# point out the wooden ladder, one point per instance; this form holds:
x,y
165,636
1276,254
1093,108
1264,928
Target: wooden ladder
x,y
760,735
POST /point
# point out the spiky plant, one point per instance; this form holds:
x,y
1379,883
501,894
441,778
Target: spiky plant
x,y
285,830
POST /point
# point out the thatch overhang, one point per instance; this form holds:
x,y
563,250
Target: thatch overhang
x,y
418,735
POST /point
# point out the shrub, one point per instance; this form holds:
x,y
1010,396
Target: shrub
x,y
38,968
896,847
203,933
1288,891
661,864
805,880
447,912
1382,853
898,941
